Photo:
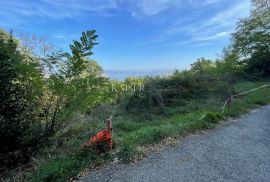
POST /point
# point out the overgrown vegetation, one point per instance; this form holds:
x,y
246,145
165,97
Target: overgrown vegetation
x,y
19,129
40,93
53,101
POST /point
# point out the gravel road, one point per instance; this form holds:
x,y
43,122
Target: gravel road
x,y
235,151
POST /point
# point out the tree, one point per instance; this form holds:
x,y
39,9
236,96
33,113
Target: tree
x,y
42,87
228,67
202,65
19,131
73,83
260,5
252,39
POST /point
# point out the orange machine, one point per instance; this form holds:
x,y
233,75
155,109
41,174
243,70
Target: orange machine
x,y
104,136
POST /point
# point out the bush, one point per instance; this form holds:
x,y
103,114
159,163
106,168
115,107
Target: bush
x,y
175,91
20,133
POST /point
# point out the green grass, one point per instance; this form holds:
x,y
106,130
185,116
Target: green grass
x,y
211,117
129,134
244,103
64,167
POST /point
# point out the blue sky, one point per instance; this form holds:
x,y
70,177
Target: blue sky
x,y
133,34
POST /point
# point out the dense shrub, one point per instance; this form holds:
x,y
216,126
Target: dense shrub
x,y
258,66
176,90
19,132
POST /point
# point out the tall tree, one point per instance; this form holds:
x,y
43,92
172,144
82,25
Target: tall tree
x,y
73,82
251,40
18,130
259,5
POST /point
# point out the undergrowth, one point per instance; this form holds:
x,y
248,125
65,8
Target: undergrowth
x,y
66,161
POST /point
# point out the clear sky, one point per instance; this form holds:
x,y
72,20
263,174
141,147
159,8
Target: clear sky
x,y
133,34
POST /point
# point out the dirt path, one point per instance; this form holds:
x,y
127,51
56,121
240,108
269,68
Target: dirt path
x,y
235,151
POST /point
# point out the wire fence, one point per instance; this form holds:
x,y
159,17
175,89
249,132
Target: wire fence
x,y
229,99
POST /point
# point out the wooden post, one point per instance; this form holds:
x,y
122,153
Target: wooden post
x,y
109,128
109,123
229,102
